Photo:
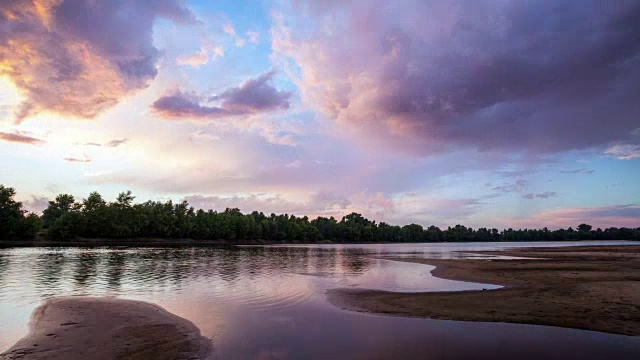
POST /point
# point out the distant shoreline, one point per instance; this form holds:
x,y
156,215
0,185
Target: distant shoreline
x,y
584,287
169,243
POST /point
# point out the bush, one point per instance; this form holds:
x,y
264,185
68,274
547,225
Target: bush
x,y
69,226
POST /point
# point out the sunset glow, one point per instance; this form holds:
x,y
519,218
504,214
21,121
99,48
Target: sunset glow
x,y
435,113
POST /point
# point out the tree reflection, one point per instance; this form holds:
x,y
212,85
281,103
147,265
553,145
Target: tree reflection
x,y
48,269
85,268
115,269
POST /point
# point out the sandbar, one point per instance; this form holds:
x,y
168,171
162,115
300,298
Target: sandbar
x,y
583,287
108,328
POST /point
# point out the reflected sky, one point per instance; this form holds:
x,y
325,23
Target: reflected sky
x,y
269,302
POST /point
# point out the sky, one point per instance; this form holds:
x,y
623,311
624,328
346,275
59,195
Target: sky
x,y
522,114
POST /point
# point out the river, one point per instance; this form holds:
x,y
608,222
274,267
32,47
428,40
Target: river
x,y
269,302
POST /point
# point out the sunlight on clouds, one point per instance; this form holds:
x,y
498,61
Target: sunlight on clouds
x,y
10,98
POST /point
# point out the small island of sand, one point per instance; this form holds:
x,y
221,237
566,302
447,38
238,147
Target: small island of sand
x,y
587,287
107,328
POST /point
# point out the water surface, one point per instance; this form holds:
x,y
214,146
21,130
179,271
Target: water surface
x,y
270,303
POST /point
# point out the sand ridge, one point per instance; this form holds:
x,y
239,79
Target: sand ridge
x,y
108,328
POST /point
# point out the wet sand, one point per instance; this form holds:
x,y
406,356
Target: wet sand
x,y
586,287
106,328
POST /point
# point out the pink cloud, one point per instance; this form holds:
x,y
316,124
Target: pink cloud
x,y
77,57
605,216
20,138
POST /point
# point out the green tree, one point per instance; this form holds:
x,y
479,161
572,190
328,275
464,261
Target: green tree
x,y
31,225
96,213
11,214
69,226
62,204
584,227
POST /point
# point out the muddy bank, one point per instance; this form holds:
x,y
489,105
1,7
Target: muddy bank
x,y
587,287
105,328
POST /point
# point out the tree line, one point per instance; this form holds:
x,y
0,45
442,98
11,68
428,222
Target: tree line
x,y
94,217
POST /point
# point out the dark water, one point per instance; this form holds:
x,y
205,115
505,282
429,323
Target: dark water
x,y
269,303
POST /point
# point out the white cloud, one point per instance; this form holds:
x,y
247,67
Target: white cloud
x,y
624,151
254,37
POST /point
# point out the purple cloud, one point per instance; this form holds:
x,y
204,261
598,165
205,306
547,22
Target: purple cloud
x,y
85,159
112,143
518,186
20,138
578,171
433,76
178,105
626,215
255,95
544,195
80,57
251,97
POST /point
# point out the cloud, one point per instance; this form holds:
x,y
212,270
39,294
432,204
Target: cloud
x,y
195,60
80,57
544,195
578,171
229,29
430,209
319,204
254,37
252,97
322,203
113,143
36,204
203,135
294,164
624,151
623,215
178,105
116,143
207,51
20,138
432,76
85,159
518,186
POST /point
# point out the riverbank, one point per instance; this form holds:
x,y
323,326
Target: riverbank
x,y
585,287
42,241
141,242
106,328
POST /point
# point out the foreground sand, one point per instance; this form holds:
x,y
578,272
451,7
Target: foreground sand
x,y
587,287
105,328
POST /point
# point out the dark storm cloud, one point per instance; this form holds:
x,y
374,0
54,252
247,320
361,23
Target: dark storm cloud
x,y
79,57
535,76
252,97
